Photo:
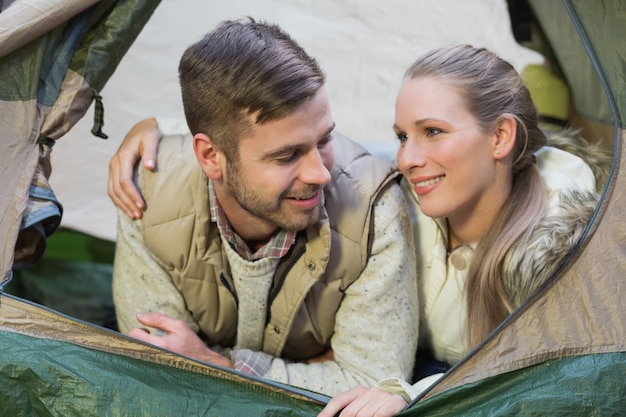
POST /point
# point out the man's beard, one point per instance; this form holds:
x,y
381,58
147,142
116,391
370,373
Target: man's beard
x,y
275,209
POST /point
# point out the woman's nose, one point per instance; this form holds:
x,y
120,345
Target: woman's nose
x,y
410,155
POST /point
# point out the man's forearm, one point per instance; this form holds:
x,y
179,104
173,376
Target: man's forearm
x,y
140,285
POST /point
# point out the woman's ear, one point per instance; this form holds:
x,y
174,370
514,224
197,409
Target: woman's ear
x,y
208,156
504,138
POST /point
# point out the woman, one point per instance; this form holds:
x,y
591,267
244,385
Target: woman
x,y
496,209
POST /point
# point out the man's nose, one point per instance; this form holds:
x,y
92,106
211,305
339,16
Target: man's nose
x,y
313,169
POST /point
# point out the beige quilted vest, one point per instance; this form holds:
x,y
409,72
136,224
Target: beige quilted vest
x,y
310,280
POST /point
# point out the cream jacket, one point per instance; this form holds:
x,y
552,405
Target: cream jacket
x,y
570,183
441,278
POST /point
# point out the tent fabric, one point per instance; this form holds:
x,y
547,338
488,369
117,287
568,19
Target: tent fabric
x,y
603,23
588,96
26,20
46,86
592,110
585,385
74,277
79,289
52,365
561,353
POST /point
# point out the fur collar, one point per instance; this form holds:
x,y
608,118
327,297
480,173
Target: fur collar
x,y
537,255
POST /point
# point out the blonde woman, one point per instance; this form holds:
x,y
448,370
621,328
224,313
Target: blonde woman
x,y
496,209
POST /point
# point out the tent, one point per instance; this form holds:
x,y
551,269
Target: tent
x,y
561,353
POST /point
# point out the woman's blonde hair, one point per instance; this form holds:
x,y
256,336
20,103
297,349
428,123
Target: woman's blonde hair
x,y
491,88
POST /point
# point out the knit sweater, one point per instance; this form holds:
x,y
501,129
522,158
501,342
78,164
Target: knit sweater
x,y
252,283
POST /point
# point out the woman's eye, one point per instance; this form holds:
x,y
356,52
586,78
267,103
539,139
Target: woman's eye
x,y
432,131
402,137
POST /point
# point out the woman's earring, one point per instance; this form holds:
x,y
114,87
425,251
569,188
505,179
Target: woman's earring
x,y
497,151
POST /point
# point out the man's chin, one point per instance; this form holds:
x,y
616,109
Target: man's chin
x,y
299,221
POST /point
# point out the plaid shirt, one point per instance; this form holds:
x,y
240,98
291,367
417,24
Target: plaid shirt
x,y
277,247
244,360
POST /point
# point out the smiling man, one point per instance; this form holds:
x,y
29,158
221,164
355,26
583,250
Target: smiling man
x,y
285,251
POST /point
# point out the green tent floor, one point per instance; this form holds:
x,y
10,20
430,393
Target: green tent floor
x,y
73,277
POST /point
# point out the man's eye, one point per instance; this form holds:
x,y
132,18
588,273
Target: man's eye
x,y
324,142
287,159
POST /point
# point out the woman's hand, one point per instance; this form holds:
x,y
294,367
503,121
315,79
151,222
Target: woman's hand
x,y
364,402
140,143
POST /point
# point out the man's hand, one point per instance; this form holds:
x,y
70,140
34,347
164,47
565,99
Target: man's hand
x,y
140,143
179,338
364,402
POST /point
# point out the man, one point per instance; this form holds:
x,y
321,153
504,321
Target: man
x,y
286,251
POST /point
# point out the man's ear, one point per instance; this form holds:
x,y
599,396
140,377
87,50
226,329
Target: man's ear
x,y
208,156
504,138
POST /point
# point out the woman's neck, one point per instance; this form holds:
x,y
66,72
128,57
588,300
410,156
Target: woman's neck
x,y
469,225
470,229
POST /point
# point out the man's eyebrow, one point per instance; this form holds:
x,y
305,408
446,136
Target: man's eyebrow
x,y
290,148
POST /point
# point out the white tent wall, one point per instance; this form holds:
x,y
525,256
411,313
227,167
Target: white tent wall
x,y
364,46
